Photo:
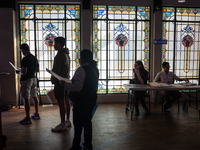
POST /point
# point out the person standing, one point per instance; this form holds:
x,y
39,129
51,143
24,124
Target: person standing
x,y
28,83
168,77
83,94
61,66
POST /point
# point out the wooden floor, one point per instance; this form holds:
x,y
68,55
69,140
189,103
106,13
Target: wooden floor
x,y
112,129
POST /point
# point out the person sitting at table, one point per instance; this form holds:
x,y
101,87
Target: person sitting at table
x,y
141,77
168,77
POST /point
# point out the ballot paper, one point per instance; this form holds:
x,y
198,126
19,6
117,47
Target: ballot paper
x,y
156,84
57,76
18,69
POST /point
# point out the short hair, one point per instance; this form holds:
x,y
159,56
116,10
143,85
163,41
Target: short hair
x,y
86,54
164,64
60,40
25,47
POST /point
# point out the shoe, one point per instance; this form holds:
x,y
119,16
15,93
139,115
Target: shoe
x,y
137,113
68,123
35,116
59,128
85,148
147,112
76,148
25,121
166,106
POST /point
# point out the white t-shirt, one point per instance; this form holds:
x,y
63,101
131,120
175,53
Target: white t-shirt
x,y
166,78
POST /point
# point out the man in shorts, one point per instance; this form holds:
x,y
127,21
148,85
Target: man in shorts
x,y
61,66
28,83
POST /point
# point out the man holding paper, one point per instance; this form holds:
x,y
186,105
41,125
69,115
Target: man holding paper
x,y
28,83
61,67
166,76
83,94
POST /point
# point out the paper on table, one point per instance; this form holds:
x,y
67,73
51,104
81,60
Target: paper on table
x,y
156,84
187,84
58,77
14,66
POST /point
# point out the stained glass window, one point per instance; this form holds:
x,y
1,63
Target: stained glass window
x,y
181,29
39,25
120,37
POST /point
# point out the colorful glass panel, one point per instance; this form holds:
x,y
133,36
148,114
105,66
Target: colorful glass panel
x,y
39,34
114,44
183,52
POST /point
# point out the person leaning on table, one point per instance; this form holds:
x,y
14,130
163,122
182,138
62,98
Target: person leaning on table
x,y
141,77
167,76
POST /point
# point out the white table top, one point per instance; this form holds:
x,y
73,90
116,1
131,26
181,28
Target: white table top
x,y
140,87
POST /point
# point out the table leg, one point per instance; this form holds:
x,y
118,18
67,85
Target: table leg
x,y
1,134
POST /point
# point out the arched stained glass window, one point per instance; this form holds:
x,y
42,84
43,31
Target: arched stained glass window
x,y
181,29
39,25
120,37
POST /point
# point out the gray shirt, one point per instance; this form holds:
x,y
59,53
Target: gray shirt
x,y
61,65
166,78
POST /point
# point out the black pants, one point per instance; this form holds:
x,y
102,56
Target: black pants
x,y
82,114
139,95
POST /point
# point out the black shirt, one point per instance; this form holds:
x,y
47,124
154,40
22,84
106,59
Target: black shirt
x,y
31,63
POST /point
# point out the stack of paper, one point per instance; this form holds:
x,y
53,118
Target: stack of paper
x,y
156,84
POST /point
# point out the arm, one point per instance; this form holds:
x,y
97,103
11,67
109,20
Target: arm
x,y
157,78
139,76
78,81
23,71
37,69
179,79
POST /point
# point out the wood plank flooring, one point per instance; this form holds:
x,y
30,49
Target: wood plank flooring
x,y
112,129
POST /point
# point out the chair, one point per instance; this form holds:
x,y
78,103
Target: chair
x,y
130,102
163,99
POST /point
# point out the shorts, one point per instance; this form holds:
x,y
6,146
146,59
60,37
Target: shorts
x,y
59,91
28,88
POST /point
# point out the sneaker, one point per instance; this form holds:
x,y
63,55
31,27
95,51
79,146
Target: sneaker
x,y
166,106
25,121
76,148
59,128
68,123
86,148
35,116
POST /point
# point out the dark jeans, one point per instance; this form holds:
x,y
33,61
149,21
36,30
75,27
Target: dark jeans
x,y
171,96
139,95
82,114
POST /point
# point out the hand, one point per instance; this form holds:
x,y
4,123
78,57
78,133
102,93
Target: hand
x,y
186,80
62,83
17,71
137,71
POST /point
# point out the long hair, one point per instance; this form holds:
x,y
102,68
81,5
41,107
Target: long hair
x,y
141,69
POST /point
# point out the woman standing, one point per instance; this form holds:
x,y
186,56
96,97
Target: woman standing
x,y
141,77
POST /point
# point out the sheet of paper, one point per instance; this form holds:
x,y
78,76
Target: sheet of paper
x,y
187,84
58,77
156,84
14,66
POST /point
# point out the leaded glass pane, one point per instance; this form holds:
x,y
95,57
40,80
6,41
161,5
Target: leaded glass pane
x,y
50,11
39,34
114,44
182,48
